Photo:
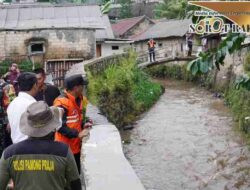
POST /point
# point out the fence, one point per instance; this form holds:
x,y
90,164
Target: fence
x,y
58,68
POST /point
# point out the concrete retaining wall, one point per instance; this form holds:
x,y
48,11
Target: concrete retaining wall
x,y
103,162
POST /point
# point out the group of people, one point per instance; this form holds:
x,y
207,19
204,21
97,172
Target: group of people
x,y
46,129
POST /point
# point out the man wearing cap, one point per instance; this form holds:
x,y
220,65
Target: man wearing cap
x,y
73,129
39,163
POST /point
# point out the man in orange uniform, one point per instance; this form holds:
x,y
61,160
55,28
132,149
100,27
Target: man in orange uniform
x,y
73,129
151,49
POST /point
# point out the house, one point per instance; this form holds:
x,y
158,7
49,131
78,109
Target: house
x,y
106,43
126,28
56,36
44,31
169,36
210,41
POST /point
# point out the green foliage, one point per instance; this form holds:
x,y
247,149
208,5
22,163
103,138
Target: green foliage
x,y
126,6
242,82
146,92
239,101
122,91
247,63
173,71
105,8
172,9
179,72
215,57
24,65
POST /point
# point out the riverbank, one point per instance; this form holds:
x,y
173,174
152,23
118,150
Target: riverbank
x,y
237,99
122,91
187,141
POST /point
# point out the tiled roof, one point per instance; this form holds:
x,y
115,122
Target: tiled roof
x,y
44,16
122,26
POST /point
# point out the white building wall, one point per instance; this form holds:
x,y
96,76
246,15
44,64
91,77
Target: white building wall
x,y
107,48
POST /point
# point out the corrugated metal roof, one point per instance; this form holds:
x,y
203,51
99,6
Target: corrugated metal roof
x,y
43,16
165,29
106,33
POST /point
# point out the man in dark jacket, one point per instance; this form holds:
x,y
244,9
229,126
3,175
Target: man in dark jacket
x,y
39,163
47,92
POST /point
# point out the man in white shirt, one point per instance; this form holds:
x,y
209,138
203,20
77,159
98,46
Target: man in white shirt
x,y
27,90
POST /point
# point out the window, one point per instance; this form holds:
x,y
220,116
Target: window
x,y
115,47
36,47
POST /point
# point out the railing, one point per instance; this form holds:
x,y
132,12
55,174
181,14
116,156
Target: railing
x,y
166,52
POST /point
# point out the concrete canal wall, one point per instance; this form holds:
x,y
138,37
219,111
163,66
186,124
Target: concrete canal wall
x,y
103,162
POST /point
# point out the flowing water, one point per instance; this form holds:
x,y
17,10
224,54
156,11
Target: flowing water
x,y
187,141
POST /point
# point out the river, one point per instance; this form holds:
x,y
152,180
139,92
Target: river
x,y
188,141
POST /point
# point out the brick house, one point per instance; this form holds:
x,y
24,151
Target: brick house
x,y
44,31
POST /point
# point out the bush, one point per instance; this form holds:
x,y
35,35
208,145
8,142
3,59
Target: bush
x,y
122,91
247,64
239,102
179,72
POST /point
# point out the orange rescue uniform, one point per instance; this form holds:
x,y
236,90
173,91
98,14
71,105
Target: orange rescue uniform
x,y
74,119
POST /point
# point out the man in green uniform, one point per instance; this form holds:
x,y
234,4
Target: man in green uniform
x,y
39,163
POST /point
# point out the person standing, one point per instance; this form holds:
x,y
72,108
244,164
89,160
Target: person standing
x,y
7,94
38,162
28,89
189,39
73,128
151,49
47,92
12,75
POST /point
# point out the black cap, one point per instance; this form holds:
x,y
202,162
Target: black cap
x,y
75,80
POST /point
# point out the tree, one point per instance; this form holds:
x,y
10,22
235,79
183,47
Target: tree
x,y
105,8
126,6
174,9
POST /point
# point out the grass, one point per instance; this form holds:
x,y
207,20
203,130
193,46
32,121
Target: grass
x,y
247,64
122,91
239,102
179,72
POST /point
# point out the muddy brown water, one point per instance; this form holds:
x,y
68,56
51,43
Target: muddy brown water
x,y
188,141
